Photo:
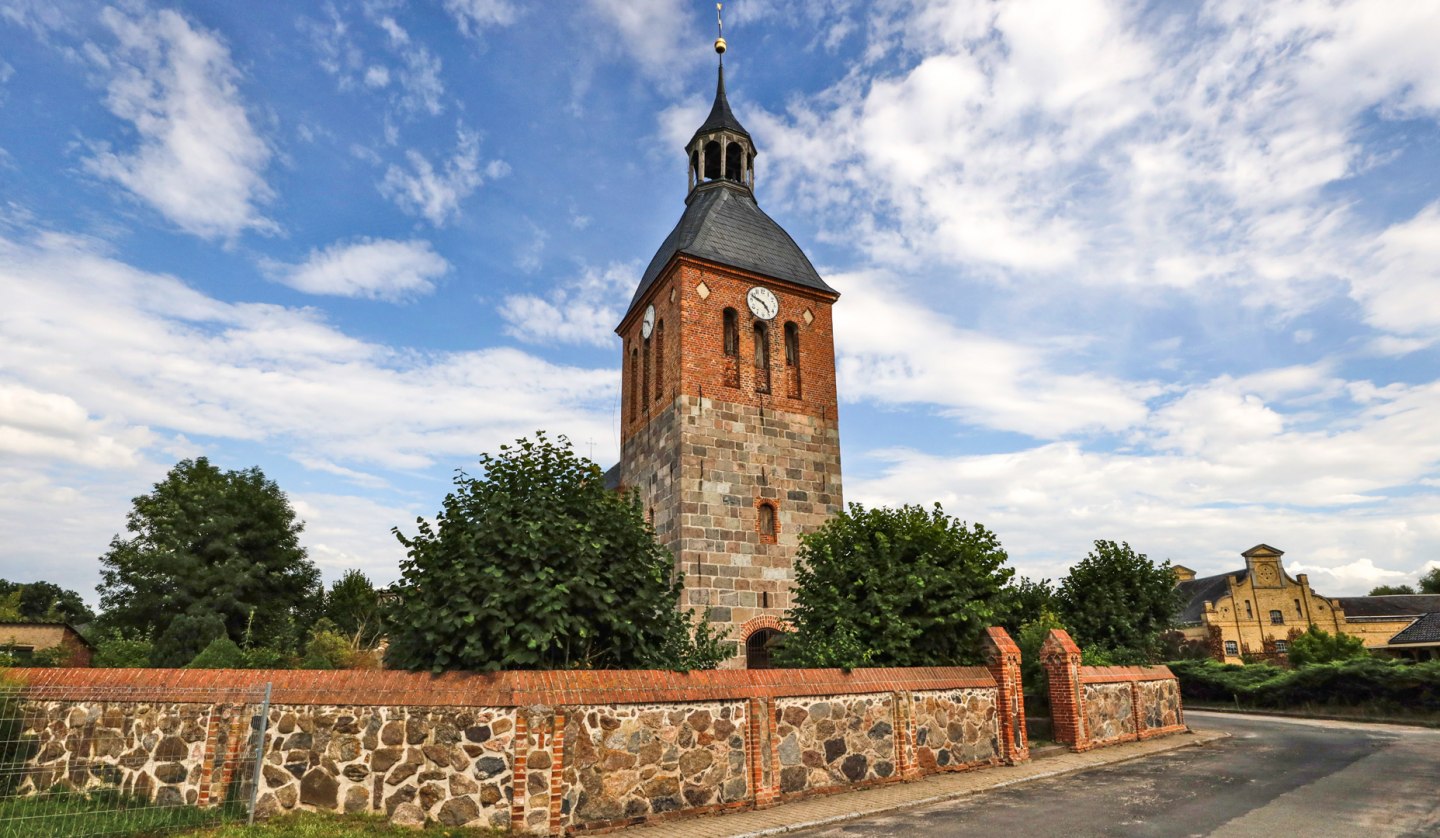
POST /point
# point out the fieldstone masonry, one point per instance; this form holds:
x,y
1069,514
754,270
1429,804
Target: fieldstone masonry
x,y
161,751
1094,706
549,753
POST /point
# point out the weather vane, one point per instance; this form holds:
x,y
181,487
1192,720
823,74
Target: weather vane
x,y
720,32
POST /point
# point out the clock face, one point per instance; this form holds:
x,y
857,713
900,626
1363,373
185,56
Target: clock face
x,y
762,303
648,324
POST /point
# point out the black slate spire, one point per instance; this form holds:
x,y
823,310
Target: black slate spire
x,y
721,118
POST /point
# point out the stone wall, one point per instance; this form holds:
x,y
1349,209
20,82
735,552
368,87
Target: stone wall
x,y
450,765
629,762
174,753
831,741
544,753
956,729
1093,706
1109,712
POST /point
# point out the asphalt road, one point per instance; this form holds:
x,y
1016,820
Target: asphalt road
x,y
1271,778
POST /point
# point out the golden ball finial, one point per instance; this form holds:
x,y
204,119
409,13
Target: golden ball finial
x,y
719,46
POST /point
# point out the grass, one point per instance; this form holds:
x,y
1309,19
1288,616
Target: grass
x,y
69,815
1325,711
325,825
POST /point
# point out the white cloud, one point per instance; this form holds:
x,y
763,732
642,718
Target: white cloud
x,y
655,34
1070,145
376,76
436,195
584,310
377,269
980,379
199,161
1402,294
474,16
109,352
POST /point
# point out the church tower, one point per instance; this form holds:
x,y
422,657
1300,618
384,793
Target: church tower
x,y
729,427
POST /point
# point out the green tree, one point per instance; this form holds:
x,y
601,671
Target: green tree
x,y
46,602
221,653
117,651
1430,582
10,608
1315,645
1027,602
353,605
207,543
536,565
894,587
1119,601
1391,590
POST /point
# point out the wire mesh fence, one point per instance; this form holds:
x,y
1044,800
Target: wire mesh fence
x,y
92,761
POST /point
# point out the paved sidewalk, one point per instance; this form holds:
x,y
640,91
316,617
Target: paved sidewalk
x,y
818,811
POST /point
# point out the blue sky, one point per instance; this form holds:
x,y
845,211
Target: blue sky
x,y
1164,273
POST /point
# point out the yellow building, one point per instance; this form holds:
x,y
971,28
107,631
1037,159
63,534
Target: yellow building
x,y
1257,610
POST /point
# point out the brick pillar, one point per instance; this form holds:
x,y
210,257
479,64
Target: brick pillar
x,y
520,748
759,754
907,763
557,772
1067,698
1136,710
1002,658
207,759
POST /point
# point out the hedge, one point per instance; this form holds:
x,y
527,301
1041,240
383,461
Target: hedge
x,y
1376,683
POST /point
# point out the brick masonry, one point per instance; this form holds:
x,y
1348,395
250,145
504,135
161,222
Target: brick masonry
x,y
706,442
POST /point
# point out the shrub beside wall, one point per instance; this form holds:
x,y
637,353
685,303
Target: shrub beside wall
x,y
1374,683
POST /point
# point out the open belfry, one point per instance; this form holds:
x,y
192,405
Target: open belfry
x,y
729,428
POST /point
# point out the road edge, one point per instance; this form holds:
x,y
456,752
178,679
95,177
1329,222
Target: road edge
x,y
1194,738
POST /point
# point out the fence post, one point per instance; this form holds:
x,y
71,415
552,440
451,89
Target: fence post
x,y
1002,658
1067,697
263,725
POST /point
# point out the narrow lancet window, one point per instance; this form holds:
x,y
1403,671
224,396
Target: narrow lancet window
x,y
659,360
762,358
645,377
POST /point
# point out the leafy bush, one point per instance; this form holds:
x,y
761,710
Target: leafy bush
x,y
1377,683
537,565
1316,645
222,653
116,650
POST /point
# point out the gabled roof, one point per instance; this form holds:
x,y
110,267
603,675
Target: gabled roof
x,y
723,224
1196,592
1399,605
1424,630
1262,550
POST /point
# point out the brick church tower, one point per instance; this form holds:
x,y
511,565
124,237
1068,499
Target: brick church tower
x,y
729,425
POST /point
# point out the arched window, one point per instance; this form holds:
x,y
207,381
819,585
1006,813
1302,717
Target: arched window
x,y
659,359
792,360
1276,618
734,162
695,164
645,377
732,332
762,358
712,160
634,384
757,648
750,170
767,524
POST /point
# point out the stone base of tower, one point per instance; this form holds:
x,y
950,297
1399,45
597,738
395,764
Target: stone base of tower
x,y
704,469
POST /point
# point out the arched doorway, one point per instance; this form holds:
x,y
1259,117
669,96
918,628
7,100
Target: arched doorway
x,y
758,646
